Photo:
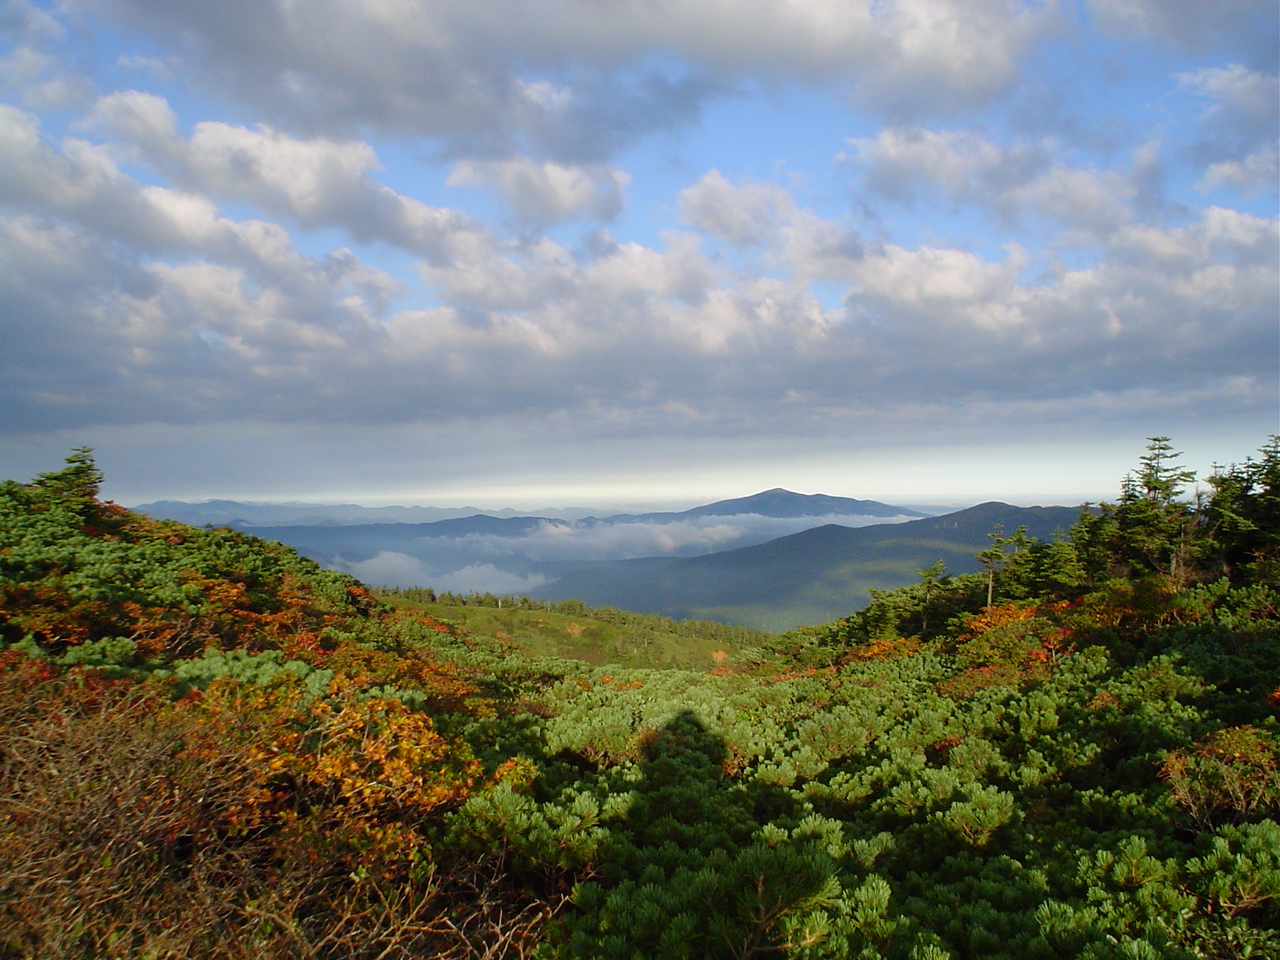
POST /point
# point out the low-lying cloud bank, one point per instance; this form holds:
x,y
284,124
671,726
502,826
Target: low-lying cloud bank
x,y
601,540
391,569
508,564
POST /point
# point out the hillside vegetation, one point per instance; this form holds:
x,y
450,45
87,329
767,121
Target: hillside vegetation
x,y
570,628
211,747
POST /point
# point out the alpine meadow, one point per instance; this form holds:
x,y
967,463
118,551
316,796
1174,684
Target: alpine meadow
x,y
211,747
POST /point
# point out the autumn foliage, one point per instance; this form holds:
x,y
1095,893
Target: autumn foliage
x,y
212,748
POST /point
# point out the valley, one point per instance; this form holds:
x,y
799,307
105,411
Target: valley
x,y
772,561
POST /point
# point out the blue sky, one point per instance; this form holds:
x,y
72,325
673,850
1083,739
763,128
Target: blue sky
x,y
619,252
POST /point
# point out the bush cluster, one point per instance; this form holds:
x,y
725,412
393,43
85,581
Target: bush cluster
x,y
212,748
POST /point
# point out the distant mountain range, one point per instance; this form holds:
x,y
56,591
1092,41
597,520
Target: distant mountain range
x,y
240,513
813,576
777,503
773,560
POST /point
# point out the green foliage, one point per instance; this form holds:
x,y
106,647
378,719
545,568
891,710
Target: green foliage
x,y
75,571
1154,527
260,669
570,629
225,751
75,485
1244,516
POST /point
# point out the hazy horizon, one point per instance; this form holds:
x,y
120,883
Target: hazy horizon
x,y
913,481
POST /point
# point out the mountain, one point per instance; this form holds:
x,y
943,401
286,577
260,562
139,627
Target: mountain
x,y
777,503
770,561
808,577
241,513
781,504
214,749
502,553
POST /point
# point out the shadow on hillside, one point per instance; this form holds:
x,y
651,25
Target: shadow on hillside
x,y
687,873
685,797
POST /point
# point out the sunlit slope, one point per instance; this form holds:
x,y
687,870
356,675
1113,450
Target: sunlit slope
x,y
596,636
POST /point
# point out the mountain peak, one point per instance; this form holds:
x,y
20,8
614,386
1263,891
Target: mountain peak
x,y
780,502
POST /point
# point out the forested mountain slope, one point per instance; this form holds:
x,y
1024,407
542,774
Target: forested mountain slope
x,y
807,577
212,748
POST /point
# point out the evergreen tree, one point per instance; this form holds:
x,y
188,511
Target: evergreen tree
x,y
1094,536
77,482
1154,524
995,556
930,577
1051,568
1244,515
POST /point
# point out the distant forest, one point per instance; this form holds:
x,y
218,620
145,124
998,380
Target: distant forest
x,y
211,747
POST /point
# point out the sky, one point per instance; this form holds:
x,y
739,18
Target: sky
x,y
636,252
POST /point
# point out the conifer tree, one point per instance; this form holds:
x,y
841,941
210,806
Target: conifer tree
x,y
78,480
930,577
1244,514
995,556
76,485
1154,524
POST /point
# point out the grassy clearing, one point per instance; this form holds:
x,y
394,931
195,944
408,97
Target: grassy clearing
x,y
578,636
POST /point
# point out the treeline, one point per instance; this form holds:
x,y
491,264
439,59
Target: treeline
x,y
1154,550
728,634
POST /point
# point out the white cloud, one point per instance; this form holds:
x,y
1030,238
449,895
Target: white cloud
x,y
82,183
388,569
623,540
747,214
181,311
164,305
1254,174
244,301
1248,93
302,179
24,20
486,578
476,73
272,244
1194,26
1238,141
899,161
545,283
391,569
319,182
540,194
143,118
28,73
937,288
616,541
1011,183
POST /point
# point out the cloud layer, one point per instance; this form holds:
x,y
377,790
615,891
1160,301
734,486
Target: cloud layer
x,y
574,80
506,564
163,298
356,214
